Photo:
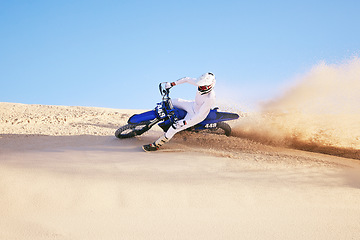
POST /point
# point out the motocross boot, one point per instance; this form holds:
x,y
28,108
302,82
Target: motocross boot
x,y
156,145
150,147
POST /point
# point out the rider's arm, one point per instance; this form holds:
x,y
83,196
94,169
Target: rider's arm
x,y
184,80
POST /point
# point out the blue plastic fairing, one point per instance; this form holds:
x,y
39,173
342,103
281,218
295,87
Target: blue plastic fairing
x,y
142,117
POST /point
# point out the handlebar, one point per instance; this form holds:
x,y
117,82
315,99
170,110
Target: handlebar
x,y
163,91
165,96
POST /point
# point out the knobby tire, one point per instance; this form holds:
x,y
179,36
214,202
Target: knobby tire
x,y
131,130
226,127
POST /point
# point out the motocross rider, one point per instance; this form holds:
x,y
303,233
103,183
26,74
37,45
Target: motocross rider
x,y
196,110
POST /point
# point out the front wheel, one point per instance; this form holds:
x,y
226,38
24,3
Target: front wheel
x,y
131,130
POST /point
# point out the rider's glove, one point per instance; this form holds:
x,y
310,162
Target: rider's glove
x,y
169,85
179,124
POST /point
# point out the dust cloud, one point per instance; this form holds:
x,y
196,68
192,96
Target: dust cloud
x,y
320,113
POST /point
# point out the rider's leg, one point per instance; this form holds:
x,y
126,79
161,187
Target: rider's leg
x,y
172,130
178,103
163,139
186,105
170,133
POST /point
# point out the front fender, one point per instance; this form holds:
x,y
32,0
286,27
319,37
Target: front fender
x,y
142,117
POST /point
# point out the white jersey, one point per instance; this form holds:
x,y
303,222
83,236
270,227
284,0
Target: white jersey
x,y
196,111
202,104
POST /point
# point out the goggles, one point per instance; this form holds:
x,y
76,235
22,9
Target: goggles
x,y
204,88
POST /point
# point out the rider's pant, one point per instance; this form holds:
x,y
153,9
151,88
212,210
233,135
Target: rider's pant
x,y
188,106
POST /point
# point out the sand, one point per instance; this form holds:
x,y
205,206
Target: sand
x,y
63,175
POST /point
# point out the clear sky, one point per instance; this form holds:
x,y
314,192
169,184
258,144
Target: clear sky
x,y
114,53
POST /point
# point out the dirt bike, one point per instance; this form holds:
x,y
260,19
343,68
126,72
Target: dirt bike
x,y
165,114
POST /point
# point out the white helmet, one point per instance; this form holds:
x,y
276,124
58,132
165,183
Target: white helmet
x,y
206,83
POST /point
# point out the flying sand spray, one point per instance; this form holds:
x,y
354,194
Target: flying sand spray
x,y
321,110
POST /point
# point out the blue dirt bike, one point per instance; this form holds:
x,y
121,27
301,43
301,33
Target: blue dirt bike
x,y
165,114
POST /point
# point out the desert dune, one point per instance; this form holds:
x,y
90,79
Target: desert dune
x,y
63,175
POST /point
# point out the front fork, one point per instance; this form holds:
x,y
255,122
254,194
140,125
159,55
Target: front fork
x,y
165,110
153,122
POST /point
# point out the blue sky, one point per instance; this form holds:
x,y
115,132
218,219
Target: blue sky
x,y
114,53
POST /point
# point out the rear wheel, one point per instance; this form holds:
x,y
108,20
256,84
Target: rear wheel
x,y
224,126
131,130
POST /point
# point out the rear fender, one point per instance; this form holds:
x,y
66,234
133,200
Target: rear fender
x,y
215,116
